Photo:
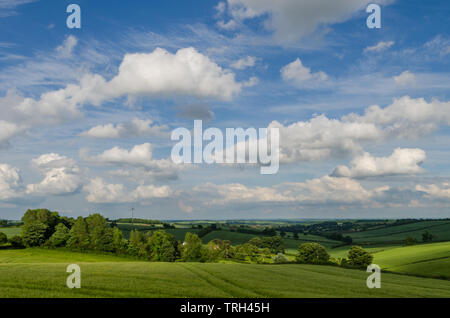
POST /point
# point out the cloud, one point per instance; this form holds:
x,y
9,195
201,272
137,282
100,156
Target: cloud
x,y
65,50
136,128
400,162
405,79
196,111
434,191
406,117
157,74
292,20
10,182
7,7
319,191
380,46
8,130
323,138
62,176
297,73
100,192
140,157
244,62
187,73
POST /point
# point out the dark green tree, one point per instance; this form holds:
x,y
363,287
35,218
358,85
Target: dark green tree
x,y
79,235
33,233
312,253
192,250
357,256
44,216
162,246
100,233
60,237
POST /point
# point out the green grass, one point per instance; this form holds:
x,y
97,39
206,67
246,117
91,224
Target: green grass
x,y
42,273
431,260
11,231
396,234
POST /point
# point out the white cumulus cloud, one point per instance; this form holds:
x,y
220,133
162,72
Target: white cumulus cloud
x,y
400,162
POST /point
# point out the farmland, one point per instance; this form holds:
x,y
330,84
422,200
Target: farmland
x,y
42,274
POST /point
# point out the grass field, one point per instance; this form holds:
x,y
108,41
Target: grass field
x,y
11,231
431,260
396,234
41,273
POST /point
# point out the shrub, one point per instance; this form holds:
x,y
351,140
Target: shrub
x,y
3,238
359,257
410,240
280,258
312,253
16,242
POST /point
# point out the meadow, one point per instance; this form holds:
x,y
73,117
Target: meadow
x,y
42,273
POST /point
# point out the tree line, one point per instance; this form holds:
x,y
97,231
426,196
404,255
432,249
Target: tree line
x,y
44,228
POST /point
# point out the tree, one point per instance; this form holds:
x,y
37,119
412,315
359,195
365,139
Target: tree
x,y
283,234
119,243
192,250
275,244
33,233
44,216
60,237
357,256
100,234
296,236
162,246
312,253
137,244
3,238
79,235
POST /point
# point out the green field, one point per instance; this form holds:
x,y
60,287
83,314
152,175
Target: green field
x,y
431,260
11,231
41,273
396,234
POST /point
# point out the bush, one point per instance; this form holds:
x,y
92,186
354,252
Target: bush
x,y
16,242
410,240
3,238
280,258
359,257
312,253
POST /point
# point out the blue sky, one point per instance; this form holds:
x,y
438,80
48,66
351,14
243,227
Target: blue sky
x,y
363,113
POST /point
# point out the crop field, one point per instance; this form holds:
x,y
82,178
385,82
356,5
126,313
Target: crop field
x,y
41,273
11,231
441,229
431,260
